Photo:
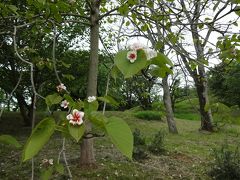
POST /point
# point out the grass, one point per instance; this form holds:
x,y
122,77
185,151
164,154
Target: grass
x,y
187,109
187,157
149,115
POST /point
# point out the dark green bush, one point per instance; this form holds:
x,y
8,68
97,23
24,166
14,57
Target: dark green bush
x,y
226,164
139,149
157,145
149,115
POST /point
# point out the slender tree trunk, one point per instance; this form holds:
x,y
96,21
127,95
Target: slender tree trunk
x,y
168,105
200,79
87,157
202,92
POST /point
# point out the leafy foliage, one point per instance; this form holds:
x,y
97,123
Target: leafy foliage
x,y
140,146
224,83
157,145
226,163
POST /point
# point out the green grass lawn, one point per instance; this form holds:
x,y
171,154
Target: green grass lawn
x,y
187,109
187,154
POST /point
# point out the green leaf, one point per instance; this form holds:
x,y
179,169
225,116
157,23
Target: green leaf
x,y
7,139
127,68
76,131
109,100
69,99
13,9
46,174
53,99
68,76
39,137
161,59
121,135
90,107
42,1
161,71
59,168
115,72
98,119
66,65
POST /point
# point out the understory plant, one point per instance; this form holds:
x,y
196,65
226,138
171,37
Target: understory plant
x,y
157,145
226,163
140,146
78,113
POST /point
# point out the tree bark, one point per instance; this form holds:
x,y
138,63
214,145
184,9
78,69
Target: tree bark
x,y
24,109
200,78
202,92
168,105
87,157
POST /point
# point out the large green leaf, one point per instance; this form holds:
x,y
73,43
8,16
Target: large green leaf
x,y
39,137
161,71
53,99
97,119
46,174
76,131
10,140
161,59
109,100
127,68
115,72
90,107
121,135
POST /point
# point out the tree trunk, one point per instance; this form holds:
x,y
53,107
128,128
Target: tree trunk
x,y
206,115
87,157
168,105
24,109
200,78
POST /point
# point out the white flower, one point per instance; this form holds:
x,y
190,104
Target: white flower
x,y
75,117
61,87
150,53
136,46
132,56
44,161
50,161
64,104
91,99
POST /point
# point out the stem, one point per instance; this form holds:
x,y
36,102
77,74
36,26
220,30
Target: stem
x,y
65,159
106,93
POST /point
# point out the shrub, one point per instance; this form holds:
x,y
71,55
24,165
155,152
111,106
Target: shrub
x,y
157,146
226,163
139,149
158,106
149,115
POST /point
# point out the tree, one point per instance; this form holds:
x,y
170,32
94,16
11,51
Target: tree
x,y
224,83
182,18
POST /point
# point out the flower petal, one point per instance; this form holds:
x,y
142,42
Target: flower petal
x,y
70,117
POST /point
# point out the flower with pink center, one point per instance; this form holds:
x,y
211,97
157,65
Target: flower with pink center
x,y
61,87
132,56
75,117
64,104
